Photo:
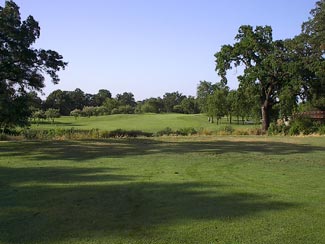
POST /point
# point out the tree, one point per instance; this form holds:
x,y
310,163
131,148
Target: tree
x,y
77,98
110,104
204,89
101,96
189,105
60,100
52,113
266,65
127,98
22,67
217,104
152,105
75,113
172,99
310,46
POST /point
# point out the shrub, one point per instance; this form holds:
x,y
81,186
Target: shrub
x,y
276,129
186,131
205,132
226,130
241,132
3,137
165,132
294,130
302,125
124,133
321,130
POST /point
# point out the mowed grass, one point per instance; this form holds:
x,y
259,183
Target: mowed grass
x,y
144,122
229,190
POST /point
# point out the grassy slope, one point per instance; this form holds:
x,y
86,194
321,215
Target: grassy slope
x,y
144,122
166,190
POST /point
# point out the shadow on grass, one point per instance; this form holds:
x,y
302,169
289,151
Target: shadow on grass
x,y
111,148
55,123
33,209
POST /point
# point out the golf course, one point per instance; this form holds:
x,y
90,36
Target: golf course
x,y
170,189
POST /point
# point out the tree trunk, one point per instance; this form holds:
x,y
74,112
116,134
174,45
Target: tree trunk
x,y
265,116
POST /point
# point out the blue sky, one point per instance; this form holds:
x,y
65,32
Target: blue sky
x,y
149,47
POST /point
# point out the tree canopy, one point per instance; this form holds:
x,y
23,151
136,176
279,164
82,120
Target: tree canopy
x,y
22,67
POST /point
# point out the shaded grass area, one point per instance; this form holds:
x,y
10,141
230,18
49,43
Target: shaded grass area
x,y
167,190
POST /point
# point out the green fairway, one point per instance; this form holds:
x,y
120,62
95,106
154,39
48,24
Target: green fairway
x,y
229,190
143,122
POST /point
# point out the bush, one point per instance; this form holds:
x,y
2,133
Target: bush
x,y
165,132
186,131
294,130
278,129
241,132
205,132
124,133
3,137
321,130
226,130
302,125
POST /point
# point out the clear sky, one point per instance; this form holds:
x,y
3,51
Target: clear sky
x,y
149,47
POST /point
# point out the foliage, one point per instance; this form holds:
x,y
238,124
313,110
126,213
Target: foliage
x,y
170,100
52,113
266,64
302,125
22,66
76,113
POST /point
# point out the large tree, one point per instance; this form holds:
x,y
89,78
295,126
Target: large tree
x,y
266,65
310,45
22,67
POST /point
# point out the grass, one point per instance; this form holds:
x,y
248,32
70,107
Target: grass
x,y
229,190
144,122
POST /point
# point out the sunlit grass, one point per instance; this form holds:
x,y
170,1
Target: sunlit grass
x,y
163,190
144,122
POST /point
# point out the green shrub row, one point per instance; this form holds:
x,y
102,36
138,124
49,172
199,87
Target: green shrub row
x,y
299,126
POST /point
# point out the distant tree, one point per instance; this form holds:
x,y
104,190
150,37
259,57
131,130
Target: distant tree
x,y
52,113
189,105
126,109
75,113
152,105
88,111
77,98
217,104
22,66
204,89
60,100
101,96
127,98
38,115
172,99
110,104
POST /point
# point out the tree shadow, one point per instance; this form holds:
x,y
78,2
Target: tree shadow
x,y
55,204
111,148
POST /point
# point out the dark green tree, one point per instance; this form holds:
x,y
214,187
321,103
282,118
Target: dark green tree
x,y
189,105
22,67
204,89
127,98
171,99
266,65
101,96
310,46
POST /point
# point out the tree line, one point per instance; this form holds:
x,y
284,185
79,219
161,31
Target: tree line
x,y
279,77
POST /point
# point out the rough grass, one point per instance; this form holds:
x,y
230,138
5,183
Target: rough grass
x,y
144,122
167,190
